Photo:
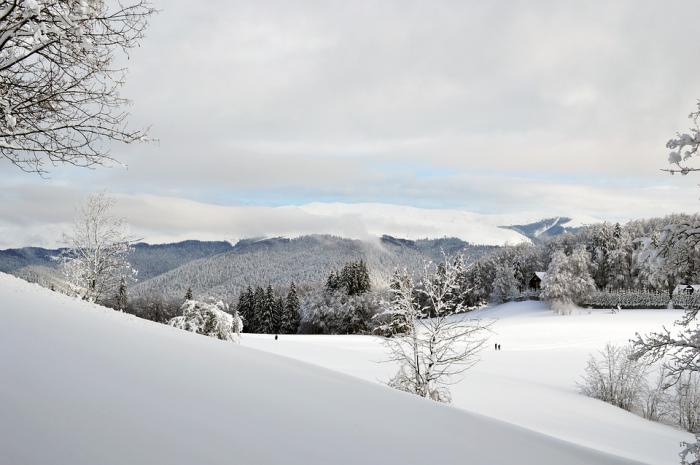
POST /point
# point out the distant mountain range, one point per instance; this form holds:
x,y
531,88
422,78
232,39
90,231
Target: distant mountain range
x,y
543,229
219,269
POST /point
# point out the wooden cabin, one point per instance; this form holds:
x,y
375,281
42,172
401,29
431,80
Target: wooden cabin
x,y
535,283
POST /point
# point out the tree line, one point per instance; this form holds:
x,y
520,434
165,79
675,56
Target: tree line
x,y
264,311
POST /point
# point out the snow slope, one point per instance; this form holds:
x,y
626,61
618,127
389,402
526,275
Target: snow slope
x,y
531,382
81,385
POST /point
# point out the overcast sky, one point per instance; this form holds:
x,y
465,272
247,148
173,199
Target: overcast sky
x,y
506,108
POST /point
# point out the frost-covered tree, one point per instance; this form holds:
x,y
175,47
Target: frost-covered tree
x,y
679,349
505,285
396,318
437,345
353,278
568,281
96,261
267,315
210,319
671,256
619,259
688,402
685,146
59,86
335,312
188,294
601,245
614,377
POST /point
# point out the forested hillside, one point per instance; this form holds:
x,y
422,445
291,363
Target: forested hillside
x,y
306,260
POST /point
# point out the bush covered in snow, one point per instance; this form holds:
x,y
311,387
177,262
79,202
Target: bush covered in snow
x,y
618,378
210,319
614,378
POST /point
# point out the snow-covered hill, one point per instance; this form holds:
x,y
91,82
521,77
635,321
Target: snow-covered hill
x,y
81,384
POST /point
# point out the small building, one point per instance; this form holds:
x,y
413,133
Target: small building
x,y
535,283
686,289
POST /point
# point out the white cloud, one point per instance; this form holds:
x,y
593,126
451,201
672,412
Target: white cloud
x,y
543,108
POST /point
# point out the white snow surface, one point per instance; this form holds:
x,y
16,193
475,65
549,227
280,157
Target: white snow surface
x,y
532,381
81,384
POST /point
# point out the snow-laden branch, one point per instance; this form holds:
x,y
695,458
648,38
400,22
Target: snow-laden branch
x,y
59,91
685,146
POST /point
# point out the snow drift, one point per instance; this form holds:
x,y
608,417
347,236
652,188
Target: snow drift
x,y
84,385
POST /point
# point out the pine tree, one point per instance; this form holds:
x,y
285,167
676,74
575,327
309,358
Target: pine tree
x,y
121,300
291,316
245,309
188,294
333,282
258,310
277,315
267,315
353,278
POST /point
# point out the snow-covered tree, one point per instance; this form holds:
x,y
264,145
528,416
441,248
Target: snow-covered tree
x,y
267,312
188,294
353,278
335,312
59,89
619,259
568,281
672,256
291,316
678,349
601,244
685,146
210,319
121,301
505,285
614,377
688,402
396,318
438,345
95,261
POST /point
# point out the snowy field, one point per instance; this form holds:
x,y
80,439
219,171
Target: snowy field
x,y
80,384
531,382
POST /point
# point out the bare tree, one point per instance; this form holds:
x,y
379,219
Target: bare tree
x,y
96,259
614,377
656,403
685,146
437,344
688,402
59,88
